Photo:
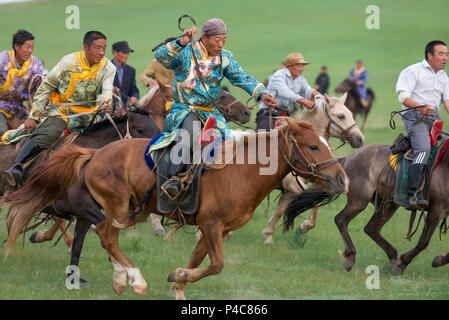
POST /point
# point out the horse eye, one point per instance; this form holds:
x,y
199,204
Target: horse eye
x,y
140,131
314,148
341,116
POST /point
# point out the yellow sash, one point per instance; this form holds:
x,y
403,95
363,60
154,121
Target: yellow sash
x,y
13,72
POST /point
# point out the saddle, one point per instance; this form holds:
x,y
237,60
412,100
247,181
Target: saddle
x,y
159,162
401,160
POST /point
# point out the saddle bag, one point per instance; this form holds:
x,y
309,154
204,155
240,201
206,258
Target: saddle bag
x,y
401,144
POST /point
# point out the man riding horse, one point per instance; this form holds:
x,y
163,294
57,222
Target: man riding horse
x,y
70,90
293,89
18,71
195,94
423,84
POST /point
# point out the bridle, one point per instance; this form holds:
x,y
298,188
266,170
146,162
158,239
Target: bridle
x,y
344,134
313,168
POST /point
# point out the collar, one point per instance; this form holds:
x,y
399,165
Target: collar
x,y
116,64
14,64
201,49
426,65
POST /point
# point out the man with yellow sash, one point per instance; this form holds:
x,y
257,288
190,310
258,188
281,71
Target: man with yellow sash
x,y
68,97
20,73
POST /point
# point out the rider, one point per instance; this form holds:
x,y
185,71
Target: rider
x,y
18,70
78,78
193,101
423,83
359,75
293,89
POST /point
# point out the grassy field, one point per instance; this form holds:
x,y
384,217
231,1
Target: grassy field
x,y
261,34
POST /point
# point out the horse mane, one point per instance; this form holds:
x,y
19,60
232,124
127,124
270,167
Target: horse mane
x,y
103,124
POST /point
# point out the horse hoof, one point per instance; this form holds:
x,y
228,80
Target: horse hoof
x,y
175,275
118,289
84,283
140,290
159,232
345,262
33,238
437,261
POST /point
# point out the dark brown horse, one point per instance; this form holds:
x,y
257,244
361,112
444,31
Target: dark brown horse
x,y
373,180
295,146
354,102
137,123
157,97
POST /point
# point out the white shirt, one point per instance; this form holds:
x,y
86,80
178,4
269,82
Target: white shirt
x,y
289,90
423,85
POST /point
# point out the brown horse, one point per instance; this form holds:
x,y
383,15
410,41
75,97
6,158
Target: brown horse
x,y
126,178
353,102
157,97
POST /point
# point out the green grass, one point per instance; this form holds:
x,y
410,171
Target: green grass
x,y
261,34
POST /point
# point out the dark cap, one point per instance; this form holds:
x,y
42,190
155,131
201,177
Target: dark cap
x,y
122,46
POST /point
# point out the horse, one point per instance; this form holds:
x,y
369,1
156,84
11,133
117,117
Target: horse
x,y
126,179
373,180
157,97
331,118
354,100
136,123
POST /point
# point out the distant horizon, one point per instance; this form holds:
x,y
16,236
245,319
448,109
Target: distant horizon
x,y
11,1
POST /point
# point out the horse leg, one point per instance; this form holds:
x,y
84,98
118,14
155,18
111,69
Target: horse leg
x,y
81,229
374,226
156,222
342,220
283,203
122,265
210,243
311,222
48,235
433,218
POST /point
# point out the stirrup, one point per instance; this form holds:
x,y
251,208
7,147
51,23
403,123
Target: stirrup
x,y
14,174
169,189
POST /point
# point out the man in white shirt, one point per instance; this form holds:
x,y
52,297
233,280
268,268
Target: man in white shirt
x,y
424,83
293,90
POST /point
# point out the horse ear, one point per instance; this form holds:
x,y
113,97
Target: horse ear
x,y
326,97
343,97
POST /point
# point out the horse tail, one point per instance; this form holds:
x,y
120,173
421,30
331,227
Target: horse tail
x,y
370,92
47,182
308,199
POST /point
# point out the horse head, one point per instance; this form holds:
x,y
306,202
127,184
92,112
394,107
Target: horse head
x,y
340,120
141,124
233,110
309,155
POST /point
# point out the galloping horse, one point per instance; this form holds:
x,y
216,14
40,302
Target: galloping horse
x,y
331,118
354,100
226,205
373,180
137,123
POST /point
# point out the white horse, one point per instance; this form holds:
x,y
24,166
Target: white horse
x,y
331,118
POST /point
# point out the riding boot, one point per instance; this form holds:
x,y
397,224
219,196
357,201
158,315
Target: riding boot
x,y
415,194
14,174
